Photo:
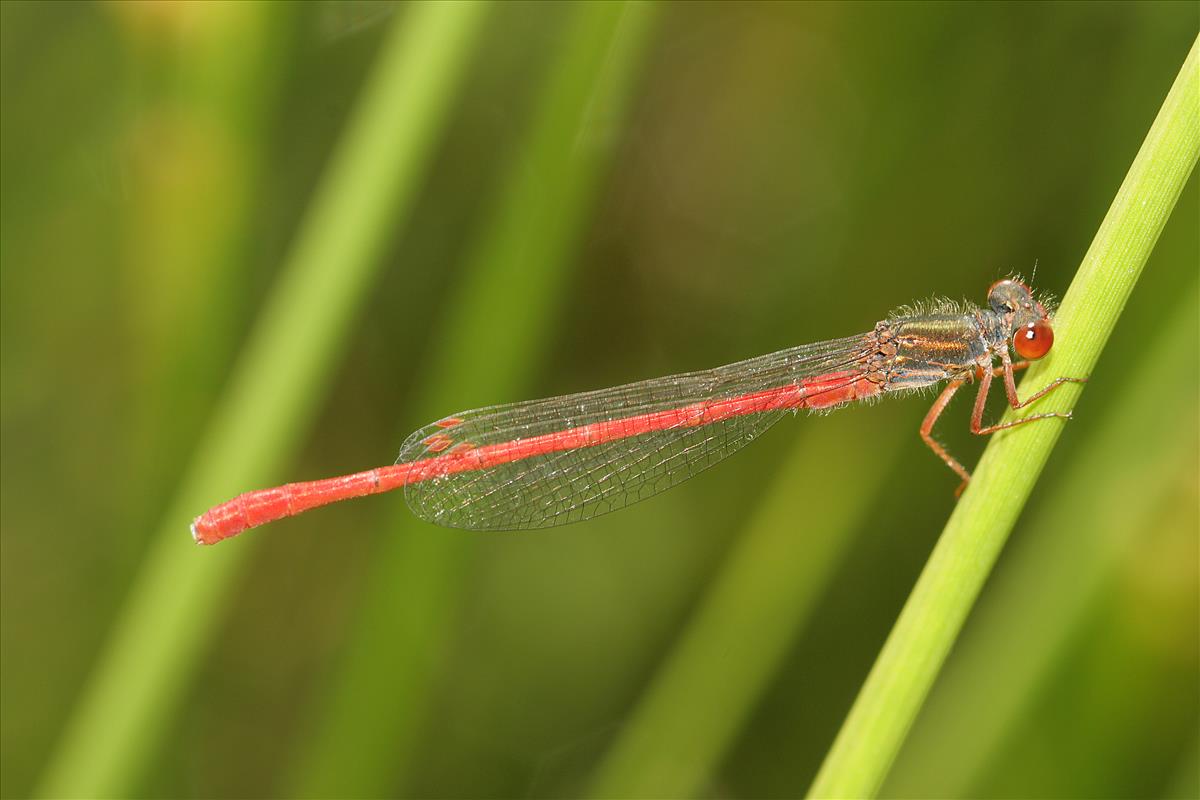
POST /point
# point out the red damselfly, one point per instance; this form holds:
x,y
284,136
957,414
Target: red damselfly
x,y
565,459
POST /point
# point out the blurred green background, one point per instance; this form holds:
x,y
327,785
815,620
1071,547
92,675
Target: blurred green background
x,y
252,243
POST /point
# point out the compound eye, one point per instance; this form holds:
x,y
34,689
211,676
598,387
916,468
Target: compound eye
x,y
1034,340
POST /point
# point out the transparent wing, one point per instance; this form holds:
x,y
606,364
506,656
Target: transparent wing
x,y
564,459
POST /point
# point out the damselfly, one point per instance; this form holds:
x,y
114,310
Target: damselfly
x,y
550,462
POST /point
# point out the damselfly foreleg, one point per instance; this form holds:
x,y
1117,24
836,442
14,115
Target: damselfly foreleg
x,y
985,375
1006,370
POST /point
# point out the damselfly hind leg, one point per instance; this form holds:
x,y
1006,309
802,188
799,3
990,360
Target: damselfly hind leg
x,y
985,375
927,424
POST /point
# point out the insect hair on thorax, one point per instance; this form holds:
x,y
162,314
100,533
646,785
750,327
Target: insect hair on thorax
x,y
932,306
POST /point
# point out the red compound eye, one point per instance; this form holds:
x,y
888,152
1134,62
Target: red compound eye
x,y
1034,340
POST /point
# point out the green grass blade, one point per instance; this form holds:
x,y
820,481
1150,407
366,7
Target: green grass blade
x,y
494,335
175,602
923,635
709,685
1098,515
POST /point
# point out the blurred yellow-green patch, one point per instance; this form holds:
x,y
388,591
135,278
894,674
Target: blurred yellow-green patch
x,y
257,242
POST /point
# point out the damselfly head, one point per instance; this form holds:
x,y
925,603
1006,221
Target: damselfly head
x,y
1032,333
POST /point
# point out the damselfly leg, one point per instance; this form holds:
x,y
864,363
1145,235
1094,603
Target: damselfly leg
x,y
986,373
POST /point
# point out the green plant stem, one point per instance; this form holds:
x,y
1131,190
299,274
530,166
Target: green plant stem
x,y
742,629
934,614
1099,510
174,604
